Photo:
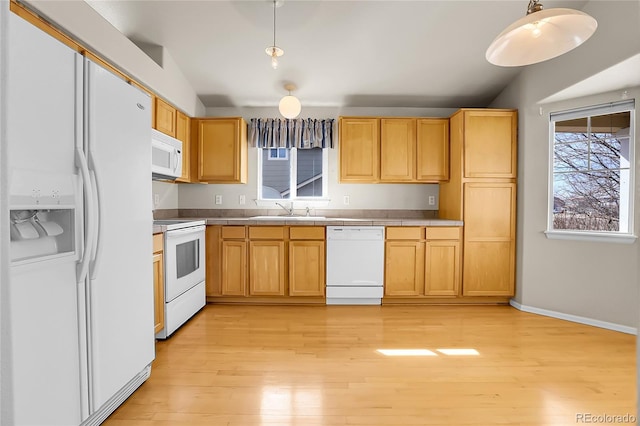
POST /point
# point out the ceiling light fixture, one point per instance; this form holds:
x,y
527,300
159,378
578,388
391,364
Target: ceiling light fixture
x,y
273,50
540,35
289,105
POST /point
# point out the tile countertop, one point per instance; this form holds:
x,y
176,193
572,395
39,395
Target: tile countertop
x,y
332,221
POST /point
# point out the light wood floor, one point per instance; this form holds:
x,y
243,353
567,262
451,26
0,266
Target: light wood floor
x,y
292,365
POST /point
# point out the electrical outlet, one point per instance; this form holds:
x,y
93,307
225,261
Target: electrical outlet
x,y
242,200
156,200
346,200
432,200
218,199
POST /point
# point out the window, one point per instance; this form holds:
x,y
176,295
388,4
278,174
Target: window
x,y
278,154
591,190
298,173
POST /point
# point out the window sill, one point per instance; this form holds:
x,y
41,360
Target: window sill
x,y
600,237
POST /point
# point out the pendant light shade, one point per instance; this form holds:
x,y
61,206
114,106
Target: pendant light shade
x,y
540,35
289,106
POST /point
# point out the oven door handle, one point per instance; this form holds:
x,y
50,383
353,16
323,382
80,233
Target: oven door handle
x,y
185,231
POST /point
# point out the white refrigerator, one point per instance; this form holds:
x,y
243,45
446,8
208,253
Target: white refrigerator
x,y
81,327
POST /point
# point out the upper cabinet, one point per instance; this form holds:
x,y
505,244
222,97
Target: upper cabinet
x,y
359,147
222,149
489,143
164,118
432,149
388,150
397,149
183,134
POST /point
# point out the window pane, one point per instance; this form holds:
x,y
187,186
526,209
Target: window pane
x,y
275,175
588,201
571,156
572,130
309,172
605,154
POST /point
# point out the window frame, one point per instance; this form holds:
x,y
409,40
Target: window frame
x,y
293,170
599,236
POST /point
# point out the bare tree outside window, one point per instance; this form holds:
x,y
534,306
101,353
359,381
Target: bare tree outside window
x,y
591,173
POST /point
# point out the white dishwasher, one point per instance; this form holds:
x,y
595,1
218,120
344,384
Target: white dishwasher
x,y
355,265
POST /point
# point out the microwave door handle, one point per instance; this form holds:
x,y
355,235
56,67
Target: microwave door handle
x,y
175,160
89,231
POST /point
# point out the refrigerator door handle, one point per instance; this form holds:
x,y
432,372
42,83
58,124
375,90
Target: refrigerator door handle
x,y
97,251
89,232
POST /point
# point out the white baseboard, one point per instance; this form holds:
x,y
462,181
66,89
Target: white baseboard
x,y
574,318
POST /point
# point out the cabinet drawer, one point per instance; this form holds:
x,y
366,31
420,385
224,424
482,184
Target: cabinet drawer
x,y
233,232
158,242
266,232
405,233
444,233
306,233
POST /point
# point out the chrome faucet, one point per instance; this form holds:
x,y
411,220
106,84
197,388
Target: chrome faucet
x,y
307,213
289,210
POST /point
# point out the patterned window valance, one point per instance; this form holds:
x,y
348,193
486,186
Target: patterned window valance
x,y
301,133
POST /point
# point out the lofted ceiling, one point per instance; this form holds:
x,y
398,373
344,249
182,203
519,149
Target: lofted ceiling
x,y
338,53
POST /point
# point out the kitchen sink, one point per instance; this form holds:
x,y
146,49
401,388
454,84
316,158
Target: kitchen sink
x,y
287,217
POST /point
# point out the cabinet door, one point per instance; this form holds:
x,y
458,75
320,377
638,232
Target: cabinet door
x,y
183,133
234,268
490,144
489,239
165,118
442,270
359,148
213,252
432,150
266,268
158,291
404,268
306,268
397,149
222,148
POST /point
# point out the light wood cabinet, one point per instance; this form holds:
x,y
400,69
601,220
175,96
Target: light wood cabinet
x,y
490,144
481,191
158,282
359,148
442,266
388,150
164,117
422,262
307,261
233,261
404,268
489,240
183,134
266,268
266,264
432,149
222,149
397,149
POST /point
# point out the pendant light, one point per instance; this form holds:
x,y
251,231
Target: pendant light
x,y
540,35
273,50
289,105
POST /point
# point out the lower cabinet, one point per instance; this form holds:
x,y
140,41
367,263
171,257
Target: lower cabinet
x,y
422,262
266,263
158,282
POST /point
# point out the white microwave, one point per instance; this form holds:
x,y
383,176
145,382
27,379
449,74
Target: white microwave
x,y
166,156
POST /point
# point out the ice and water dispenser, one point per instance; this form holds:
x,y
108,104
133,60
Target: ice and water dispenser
x,y
42,216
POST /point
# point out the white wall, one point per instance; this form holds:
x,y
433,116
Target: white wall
x,y
164,195
362,196
87,26
5,380
589,279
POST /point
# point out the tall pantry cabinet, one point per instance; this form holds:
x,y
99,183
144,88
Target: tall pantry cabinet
x,y
482,192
